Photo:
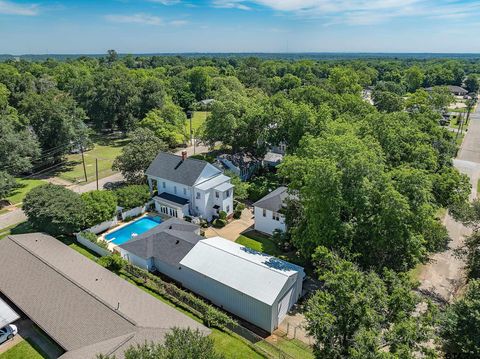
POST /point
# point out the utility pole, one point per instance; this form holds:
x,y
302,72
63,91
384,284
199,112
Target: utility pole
x,y
84,167
193,142
96,170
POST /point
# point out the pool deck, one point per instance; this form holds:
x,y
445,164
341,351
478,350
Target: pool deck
x,y
111,245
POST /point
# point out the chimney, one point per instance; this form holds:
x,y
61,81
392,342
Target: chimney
x,y
184,155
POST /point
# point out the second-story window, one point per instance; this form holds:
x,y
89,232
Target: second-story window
x,y
217,194
228,193
198,195
164,184
264,212
175,189
275,216
184,191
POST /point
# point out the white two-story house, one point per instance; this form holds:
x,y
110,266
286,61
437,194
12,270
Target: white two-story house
x,y
189,187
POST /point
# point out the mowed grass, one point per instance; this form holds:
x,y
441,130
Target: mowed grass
x,y
104,149
26,349
198,119
25,186
293,347
259,242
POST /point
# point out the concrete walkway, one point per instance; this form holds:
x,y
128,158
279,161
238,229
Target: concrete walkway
x,y
443,276
233,229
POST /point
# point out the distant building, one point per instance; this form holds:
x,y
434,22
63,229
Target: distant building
x,y
454,90
189,187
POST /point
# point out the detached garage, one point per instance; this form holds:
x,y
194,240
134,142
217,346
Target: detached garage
x,y
252,285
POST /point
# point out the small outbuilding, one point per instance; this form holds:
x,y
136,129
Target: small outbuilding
x,y
254,286
267,210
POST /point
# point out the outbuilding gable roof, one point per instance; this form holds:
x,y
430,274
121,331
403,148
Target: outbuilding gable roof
x,y
173,168
274,201
255,274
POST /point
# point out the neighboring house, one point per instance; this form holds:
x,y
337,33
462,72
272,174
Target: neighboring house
x,y
254,286
189,187
163,247
242,164
86,309
205,104
267,211
454,90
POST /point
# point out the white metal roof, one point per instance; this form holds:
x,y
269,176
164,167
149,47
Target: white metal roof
x,y
7,314
256,274
224,186
213,182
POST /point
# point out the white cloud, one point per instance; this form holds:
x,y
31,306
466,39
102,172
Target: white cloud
x,y
139,18
11,8
361,12
166,2
178,22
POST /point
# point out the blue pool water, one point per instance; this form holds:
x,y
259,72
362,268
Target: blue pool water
x,y
137,227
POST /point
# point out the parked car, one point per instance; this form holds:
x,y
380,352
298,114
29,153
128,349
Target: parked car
x,y
8,332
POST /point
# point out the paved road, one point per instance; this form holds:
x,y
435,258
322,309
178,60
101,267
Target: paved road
x,y
444,275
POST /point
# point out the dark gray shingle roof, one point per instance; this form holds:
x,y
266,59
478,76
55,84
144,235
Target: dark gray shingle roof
x,y
172,168
81,305
169,242
173,199
273,201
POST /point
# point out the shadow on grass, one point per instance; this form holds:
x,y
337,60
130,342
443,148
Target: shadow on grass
x,y
37,348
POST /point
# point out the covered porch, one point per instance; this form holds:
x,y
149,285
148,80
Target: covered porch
x,y
171,205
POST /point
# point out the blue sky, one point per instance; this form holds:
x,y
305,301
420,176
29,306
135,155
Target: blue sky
x,y
146,26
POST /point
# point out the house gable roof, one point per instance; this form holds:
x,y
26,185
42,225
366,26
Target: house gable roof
x,y
274,201
84,307
187,172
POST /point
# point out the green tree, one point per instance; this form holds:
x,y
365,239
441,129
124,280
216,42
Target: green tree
x,y
472,83
342,80
18,146
132,196
200,82
137,155
54,209
57,121
160,125
386,101
460,328
7,184
179,344
241,187
99,206
359,314
414,77
349,203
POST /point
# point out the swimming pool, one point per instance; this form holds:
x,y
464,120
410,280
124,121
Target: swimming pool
x,y
135,228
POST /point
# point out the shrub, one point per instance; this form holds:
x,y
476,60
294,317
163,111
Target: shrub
x,y
113,262
132,196
222,215
219,223
100,206
240,206
237,214
54,209
92,237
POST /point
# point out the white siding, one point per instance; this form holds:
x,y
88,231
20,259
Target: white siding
x,y
170,188
135,260
267,224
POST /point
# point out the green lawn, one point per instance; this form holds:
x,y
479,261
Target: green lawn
x,y
478,189
259,242
26,349
294,347
26,185
198,119
104,149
